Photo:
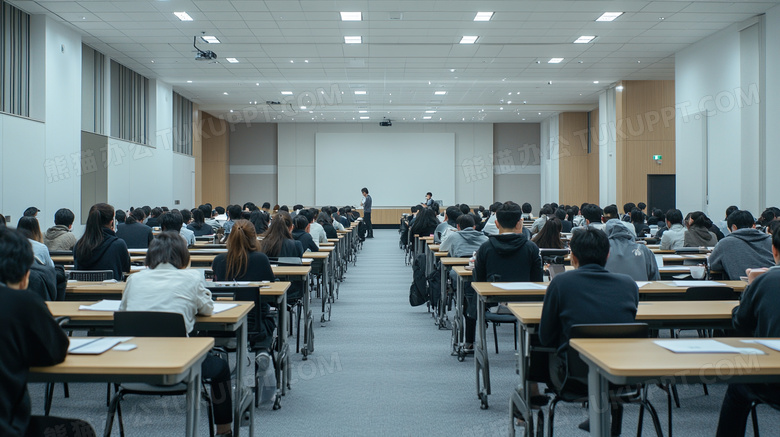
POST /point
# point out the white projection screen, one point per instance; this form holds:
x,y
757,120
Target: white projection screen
x,y
397,168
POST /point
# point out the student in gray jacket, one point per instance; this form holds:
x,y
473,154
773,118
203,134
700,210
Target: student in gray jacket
x,y
674,237
628,257
744,248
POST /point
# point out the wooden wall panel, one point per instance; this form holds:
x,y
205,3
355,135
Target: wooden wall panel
x,y
646,127
573,168
197,153
593,160
215,160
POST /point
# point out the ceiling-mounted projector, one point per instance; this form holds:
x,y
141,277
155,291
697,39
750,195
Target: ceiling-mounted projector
x,y
202,55
386,122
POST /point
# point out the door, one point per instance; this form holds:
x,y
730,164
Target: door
x,y
661,192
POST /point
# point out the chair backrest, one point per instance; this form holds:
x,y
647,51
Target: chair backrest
x,y
710,293
686,250
149,324
576,368
254,318
91,275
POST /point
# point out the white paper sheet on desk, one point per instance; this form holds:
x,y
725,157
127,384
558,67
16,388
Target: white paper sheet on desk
x,y
641,284
231,283
219,307
675,268
698,284
771,344
103,305
307,260
703,347
90,346
514,286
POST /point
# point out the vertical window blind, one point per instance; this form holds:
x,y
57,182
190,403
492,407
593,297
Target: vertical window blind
x,y
14,60
129,104
93,86
182,124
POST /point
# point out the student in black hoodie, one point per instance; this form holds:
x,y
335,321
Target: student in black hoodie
x,y
301,233
29,337
509,256
99,248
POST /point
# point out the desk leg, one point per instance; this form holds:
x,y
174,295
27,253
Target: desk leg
x,y
193,400
308,332
282,353
238,403
520,397
443,321
457,321
598,392
481,357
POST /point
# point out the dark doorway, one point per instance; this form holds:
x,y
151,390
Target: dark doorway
x,y
661,192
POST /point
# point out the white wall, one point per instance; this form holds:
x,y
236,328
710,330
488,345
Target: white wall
x,y
253,152
41,161
717,108
473,153
772,105
607,147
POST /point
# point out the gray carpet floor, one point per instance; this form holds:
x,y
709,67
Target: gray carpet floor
x,y
381,367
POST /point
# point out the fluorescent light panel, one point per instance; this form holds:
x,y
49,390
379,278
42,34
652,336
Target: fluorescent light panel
x,y
232,60
362,112
210,39
183,16
286,93
430,112
427,118
440,93
483,16
584,39
364,117
555,60
609,16
360,93
353,40
468,39
351,16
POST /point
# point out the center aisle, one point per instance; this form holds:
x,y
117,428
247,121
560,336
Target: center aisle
x,y
381,367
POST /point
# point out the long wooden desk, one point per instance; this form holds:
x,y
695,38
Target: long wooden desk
x,y
155,361
488,293
636,361
658,315
91,291
446,264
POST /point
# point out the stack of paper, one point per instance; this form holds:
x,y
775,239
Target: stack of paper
x,y
103,305
219,307
515,286
704,347
92,346
698,284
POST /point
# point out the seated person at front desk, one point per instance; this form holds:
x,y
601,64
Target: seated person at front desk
x,y
588,295
756,316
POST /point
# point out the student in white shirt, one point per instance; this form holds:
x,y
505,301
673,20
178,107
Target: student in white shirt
x,y
169,286
172,221
315,229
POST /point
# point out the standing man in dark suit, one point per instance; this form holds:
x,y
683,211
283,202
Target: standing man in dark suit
x,y
366,203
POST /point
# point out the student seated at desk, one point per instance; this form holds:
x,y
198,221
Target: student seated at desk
x,y
172,221
198,225
134,232
756,316
168,285
698,233
278,241
59,236
674,235
29,337
451,215
463,243
425,223
550,235
154,218
588,295
99,248
628,257
260,219
185,232
301,233
244,262
29,227
324,220
316,230
744,248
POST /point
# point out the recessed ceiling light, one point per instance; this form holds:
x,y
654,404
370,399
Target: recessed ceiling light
x,y
555,60
364,117
353,39
291,61
427,118
595,81
468,39
189,81
584,39
231,110
609,16
306,61
152,61
523,119
183,16
303,107
430,111
225,93
540,113
351,16
508,102
501,108
362,111
210,39
286,93
360,93
440,93
452,70
483,16
232,60
258,83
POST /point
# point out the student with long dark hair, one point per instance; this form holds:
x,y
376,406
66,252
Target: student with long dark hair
x,y
134,232
29,227
550,235
301,233
99,248
198,225
425,223
278,240
259,219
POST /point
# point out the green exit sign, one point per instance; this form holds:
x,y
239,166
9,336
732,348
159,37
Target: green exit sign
x,y
657,157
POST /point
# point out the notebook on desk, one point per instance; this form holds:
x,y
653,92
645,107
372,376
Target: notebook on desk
x,y
92,346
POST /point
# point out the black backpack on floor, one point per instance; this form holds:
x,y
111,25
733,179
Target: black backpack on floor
x,y
418,292
434,287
